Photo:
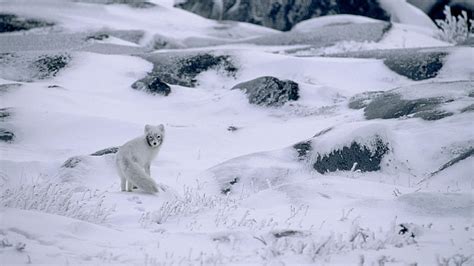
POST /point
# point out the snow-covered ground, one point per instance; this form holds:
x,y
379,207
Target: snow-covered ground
x,y
277,209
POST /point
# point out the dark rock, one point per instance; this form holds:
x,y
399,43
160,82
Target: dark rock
x,y
468,153
110,150
281,15
71,162
269,91
97,36
5,113
413,63
432,114
182,68
322,132
142,5
232,128
361,100
229,185
345,158
49,65
6,135
419,67
304,149
152,84
391,105
287,233
11,23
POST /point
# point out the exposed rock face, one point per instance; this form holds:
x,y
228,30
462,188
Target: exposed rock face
x,y
49,65
361,100
153,85
283,14
183,68
429,101
74,161
269,91
31,66
353,157
102,152
6,135
11,23
391,105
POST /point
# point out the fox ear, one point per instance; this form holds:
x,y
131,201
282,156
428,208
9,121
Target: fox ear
x,y
147,128
161,127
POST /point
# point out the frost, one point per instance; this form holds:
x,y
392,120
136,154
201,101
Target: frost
x,y
454,29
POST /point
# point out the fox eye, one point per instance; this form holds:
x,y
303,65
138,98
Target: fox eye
x,y
158,137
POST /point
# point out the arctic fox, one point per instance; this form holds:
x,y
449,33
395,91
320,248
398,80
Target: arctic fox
x,y
134,158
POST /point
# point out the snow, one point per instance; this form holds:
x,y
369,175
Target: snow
x,y
319,22
281,210
406,13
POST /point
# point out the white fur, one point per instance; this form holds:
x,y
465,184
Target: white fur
x,y
134,158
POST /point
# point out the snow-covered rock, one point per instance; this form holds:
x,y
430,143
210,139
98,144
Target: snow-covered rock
x,y
269,91
152,84
429,101
183,68
29,66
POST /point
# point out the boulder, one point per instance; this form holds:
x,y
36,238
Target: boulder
x,y
429,101
269,91
12,23
281,15
413,63
30,66
5,113
182,68
152,84
356,156
391,105
110,150
6,135
49,65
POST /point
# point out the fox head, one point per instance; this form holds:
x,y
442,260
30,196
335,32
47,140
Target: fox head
x,y
154,135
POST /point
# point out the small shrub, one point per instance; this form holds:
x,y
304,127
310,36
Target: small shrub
x,y
57,198
452,29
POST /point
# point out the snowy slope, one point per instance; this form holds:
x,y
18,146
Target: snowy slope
x,y
237,191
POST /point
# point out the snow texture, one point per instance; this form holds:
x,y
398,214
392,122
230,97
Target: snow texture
x,y
368,162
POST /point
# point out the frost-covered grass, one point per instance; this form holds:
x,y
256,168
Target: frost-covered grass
x,y
57,198
454,29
